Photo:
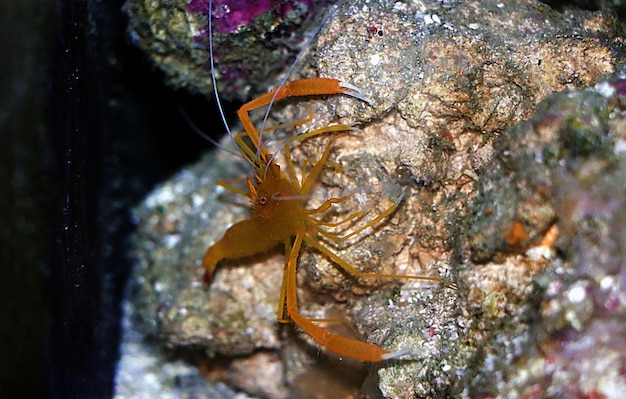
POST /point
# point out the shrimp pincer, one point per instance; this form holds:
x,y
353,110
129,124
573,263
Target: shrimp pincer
x,y
280,216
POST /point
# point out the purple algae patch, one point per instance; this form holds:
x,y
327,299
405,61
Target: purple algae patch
x,y
620,86
199,6
230,15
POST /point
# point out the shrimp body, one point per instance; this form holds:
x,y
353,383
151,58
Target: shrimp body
x,y
277,201
280,217
273,222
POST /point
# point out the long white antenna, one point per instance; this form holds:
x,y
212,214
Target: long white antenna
x,y
213,79
312,35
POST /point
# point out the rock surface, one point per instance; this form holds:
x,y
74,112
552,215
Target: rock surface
x,y
512,192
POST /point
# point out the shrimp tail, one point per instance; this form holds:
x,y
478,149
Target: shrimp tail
x,y
210,263
230,246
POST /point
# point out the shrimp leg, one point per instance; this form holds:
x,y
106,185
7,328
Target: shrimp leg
x,y
297,88
350,269
334,343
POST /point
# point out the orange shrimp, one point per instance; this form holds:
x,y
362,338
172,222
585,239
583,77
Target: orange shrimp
x,y
280,216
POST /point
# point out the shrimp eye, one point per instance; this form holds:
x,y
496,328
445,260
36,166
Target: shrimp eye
x,y
262,200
